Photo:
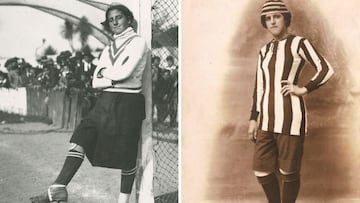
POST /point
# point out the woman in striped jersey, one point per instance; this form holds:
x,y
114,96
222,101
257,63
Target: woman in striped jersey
x,y
278,109
110,133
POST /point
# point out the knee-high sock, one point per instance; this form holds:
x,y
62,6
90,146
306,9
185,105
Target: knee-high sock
x,y
127,181
290,187
71,165
271,187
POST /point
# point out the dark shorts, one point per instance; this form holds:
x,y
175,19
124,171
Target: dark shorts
x,y
274,151
111,131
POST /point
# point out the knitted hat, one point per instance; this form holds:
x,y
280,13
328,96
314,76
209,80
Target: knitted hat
x,y
273,6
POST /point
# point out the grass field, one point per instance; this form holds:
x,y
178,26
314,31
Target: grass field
x,y
31,155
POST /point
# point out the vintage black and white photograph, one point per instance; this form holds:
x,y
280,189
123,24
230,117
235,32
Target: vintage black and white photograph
x,y
89,101
270,101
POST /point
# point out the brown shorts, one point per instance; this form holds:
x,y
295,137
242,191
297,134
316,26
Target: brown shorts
x,y
274,151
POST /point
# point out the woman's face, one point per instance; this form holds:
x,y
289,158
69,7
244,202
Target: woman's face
x,y
118,22
276,25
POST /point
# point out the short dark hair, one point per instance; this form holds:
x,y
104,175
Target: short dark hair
x,y
125,10
155,58
287,17
170,58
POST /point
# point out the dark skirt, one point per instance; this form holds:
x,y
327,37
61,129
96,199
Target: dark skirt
x,y
111,131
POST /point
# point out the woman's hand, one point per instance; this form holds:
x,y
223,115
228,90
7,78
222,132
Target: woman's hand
x,y
100,73
252,130
290,88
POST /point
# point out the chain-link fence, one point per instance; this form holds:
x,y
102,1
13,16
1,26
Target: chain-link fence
x,y
165,146
165,98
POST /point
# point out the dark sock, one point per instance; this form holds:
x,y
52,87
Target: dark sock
x,y
127,183
271,188
71,165
290,187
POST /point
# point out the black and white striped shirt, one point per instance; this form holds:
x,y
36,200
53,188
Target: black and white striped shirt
x,y
284,60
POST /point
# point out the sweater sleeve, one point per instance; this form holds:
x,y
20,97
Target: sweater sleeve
x,y
324,71
101,62
133,54
258,91
101,82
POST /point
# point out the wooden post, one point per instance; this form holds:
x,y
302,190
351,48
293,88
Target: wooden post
x,y
144,182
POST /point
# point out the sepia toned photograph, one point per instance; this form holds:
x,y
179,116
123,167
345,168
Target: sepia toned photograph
x,y
270,101
89,101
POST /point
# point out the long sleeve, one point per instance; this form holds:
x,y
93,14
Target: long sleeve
x,y
102,63
258,91
132,55
324,71
122,65
284,60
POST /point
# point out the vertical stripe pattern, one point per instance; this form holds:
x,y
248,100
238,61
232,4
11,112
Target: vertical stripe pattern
x,y
271,70
284,60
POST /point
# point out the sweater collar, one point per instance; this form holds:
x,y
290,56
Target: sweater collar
x,y
125,34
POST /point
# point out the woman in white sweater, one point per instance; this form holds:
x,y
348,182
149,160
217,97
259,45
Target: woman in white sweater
x,y
109,135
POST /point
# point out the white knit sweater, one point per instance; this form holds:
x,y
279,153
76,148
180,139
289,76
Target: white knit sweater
x,y
123,61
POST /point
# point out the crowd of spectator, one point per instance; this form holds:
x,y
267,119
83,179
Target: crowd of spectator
x,y
165,90
70,71
66,72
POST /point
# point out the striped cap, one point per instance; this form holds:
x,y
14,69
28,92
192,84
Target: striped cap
x,y
273,6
